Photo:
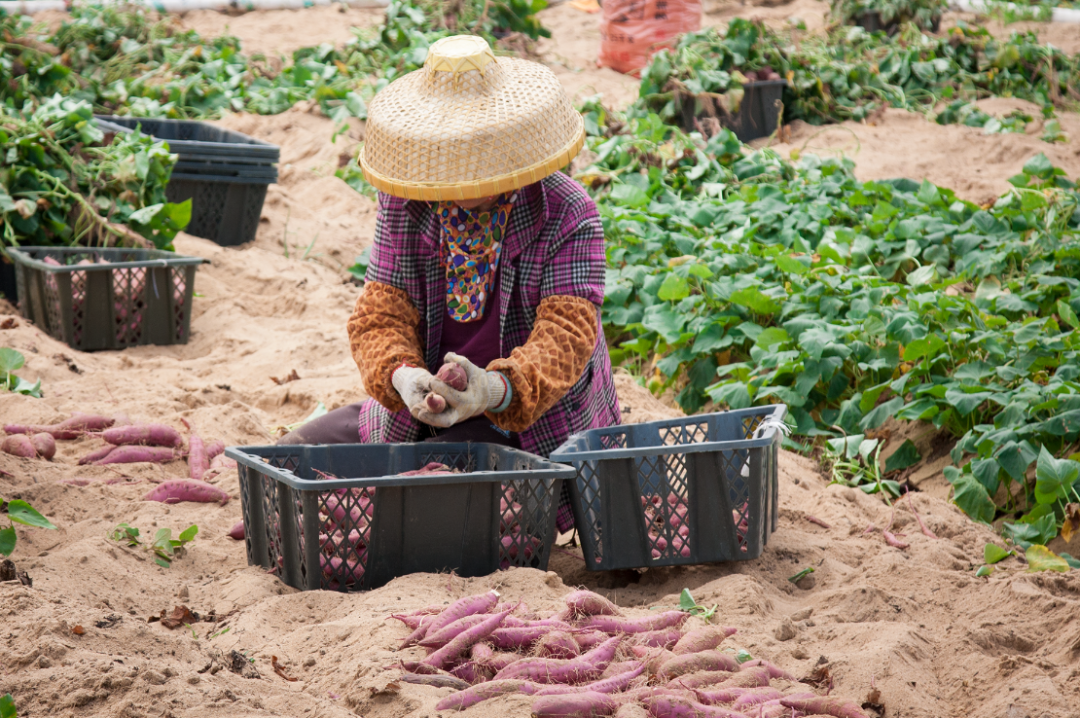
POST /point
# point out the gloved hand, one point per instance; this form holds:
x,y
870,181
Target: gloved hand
x,y
413,384
486,391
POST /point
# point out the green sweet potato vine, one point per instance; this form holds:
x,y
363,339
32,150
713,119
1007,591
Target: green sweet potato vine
x,y
739,279
850,74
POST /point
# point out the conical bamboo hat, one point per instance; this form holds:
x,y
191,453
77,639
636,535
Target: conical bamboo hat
x,y
468,125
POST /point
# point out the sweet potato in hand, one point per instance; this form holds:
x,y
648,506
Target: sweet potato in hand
x,y
453,375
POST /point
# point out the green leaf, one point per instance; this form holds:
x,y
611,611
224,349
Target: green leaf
x,y
920,348
10,360
188,534
7,707
771,337
984,571
1070,560
907,455
1053,477
163,562
753,299
972,498
922,275
1067,314
735,395
629,195
7,540
1039,166
23,513
686,601
792,265
674,288
743,656
992,553
1040,558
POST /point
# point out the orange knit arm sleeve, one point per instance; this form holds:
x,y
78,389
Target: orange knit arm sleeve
x,y
383,334
544,368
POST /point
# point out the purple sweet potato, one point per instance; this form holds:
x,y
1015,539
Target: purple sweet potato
x,y
472,673
453,375
584,668
824,705
573,705
422,625
136,454
146,434
748,678
480,652
774,671
19,445
590,638
222,463
476,694
557,644
516,622
66,430
615,624
215,449
45,445
438,680
512,639
693,662
338,568
440,638
614,684
671,707
198,464
97,455
664,638
756,696
701,679
499,660
435,403
587,603
176,490
465,640
481,603
716,696
700,639
237,531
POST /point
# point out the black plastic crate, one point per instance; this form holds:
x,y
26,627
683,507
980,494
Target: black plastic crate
x,y
223,173
758,115
225,210
700,489
141,296
872,22
372,525
8,287
192,137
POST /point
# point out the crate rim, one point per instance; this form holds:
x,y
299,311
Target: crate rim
x,y
179,260
551,470
256,144
568,451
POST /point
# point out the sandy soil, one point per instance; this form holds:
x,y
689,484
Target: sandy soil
x,y
913,623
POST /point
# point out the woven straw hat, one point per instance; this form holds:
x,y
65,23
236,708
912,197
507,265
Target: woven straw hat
x,y
468,125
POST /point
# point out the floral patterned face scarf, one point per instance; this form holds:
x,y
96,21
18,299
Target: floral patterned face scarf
x,y
472,242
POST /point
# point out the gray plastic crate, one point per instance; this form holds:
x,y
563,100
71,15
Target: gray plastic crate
x,y
499,513
700,489
142,296
224,173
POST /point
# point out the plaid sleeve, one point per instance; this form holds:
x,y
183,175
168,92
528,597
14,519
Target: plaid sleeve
x,y
391,231
575,262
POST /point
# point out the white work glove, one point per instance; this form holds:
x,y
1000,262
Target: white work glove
x,y
413,384
486,391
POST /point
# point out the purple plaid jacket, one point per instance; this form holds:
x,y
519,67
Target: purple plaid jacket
x,y
554,245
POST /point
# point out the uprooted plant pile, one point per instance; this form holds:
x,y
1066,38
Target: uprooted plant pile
x,y
590,659
850,74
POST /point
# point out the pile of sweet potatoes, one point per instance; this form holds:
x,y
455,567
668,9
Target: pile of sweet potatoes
x,y
591,660
126,443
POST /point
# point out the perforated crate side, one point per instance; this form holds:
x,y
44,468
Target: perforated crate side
x,y
227,213
671,508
